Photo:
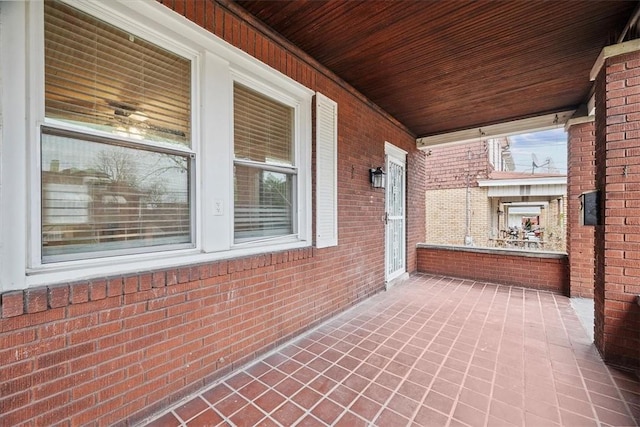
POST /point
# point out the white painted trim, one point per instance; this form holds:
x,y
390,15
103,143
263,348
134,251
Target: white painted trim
x,y
217,130
394,154
13,97
591,105
522,181
35,118
300,101
86,269
397,152
304,157
518,204
545,122
578,121
611,51
396,281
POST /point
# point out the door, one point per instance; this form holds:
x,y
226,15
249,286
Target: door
x,y
395,215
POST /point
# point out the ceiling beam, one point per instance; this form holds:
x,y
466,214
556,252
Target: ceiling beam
x,y
533,124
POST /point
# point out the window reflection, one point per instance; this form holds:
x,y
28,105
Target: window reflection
x,y
98,197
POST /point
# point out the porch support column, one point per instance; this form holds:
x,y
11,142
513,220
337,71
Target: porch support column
x,y
617,237
580,178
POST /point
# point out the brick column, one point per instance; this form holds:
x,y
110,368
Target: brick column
x,y
617,248
580,178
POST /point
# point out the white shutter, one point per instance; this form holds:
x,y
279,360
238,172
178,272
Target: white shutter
x,y
326,172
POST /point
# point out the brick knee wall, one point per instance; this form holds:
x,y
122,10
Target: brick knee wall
x,y
107,349
529,270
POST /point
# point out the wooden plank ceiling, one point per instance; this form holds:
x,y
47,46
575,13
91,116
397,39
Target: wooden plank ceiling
x,y
441,66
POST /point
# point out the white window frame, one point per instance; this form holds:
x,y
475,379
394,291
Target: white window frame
x,y
215,66
190,150
238,76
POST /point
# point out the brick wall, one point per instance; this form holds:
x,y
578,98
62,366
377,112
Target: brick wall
x,y
446,216
525,269
115,350
617,249
449,166
448,170
600,149
580,178
554,221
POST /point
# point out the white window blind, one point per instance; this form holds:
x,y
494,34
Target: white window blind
x,y
101,77
265,177
105,188
326,172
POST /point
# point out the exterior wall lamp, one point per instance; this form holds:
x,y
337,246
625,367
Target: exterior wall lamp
x,y
376,176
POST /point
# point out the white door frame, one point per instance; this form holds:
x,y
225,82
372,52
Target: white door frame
x,y
395,260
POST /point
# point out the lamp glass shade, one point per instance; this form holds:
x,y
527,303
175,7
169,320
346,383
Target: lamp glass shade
x,y
377,178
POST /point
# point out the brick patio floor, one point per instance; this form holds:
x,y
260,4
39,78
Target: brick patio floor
x,y
432,351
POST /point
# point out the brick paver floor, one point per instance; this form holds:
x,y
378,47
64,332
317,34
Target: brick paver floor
x,y
432,351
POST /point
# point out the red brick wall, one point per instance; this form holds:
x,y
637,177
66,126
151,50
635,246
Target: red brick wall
x,y
117,349
617,282
580,178
529,270
449,166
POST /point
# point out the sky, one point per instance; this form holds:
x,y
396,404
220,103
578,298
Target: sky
x,y
545,144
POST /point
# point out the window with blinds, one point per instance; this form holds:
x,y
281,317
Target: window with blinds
x,y
264,170
103,78
106,186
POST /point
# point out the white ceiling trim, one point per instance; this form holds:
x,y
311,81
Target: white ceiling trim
x,y
611,51
522,181
533,124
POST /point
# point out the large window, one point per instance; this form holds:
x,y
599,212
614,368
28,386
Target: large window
x,y
264,170
115,151
148,143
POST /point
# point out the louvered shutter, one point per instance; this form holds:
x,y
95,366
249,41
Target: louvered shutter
x,y
326,172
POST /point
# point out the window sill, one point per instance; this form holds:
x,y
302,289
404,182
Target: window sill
x,y
74,271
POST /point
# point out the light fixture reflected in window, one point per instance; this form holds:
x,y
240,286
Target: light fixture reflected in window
x,y
129,132
139,116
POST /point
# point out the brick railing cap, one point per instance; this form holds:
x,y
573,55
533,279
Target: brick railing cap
x,y
611,51
495,251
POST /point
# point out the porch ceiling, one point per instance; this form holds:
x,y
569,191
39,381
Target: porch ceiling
x,y
442,66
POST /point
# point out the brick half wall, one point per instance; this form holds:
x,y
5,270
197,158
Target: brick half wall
x,y
535,270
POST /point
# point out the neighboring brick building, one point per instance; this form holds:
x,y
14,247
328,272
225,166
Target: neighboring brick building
x,y
456,209
473,197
